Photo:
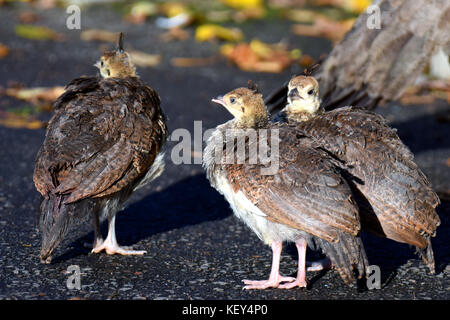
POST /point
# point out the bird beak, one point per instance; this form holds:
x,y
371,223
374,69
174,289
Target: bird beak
x,y
97,64
219,100
293,94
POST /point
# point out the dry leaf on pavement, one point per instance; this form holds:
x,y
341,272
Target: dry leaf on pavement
x,y
99,35
142,59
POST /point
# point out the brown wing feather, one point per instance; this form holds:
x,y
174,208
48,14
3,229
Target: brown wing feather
x,y
370,65
384,62
307,193
384,171
105,133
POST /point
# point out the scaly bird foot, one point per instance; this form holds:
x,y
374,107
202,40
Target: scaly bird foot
x,y
116,249
264,284
297,283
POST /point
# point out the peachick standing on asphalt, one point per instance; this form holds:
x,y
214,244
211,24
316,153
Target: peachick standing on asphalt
x,y
394,196
306,201
103,142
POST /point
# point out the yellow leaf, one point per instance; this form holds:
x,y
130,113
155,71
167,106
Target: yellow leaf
x,y
262,49
173,9
144,8
140,11
243,4
36,32
358,6
209,32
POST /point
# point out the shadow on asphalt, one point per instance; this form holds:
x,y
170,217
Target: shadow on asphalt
x,y
424,133
189,202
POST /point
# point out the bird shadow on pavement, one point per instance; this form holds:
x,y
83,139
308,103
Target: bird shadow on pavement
x,y
389,255
188,202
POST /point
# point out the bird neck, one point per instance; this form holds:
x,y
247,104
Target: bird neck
x,y
254,121
303,112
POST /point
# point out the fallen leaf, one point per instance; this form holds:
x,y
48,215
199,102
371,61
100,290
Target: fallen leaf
x,y
425,91
37,32
12,120
35,95
243,4
300,15
249,13
99,35
28,17
4,50
172,9
324,27
46,4
286,3
174,34
140,11
143,59
258,56
209,32
193,62
262,49
356,6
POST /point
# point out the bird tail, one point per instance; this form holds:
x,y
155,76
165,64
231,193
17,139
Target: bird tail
x,y
347,255
55,218
427,256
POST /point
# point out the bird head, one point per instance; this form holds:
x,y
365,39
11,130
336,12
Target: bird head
x,y
303,95
246,105
116,63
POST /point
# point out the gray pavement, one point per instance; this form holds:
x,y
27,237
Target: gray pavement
x,y
196,248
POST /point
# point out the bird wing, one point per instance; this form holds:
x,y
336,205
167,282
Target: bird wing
x,y
105,133
307,192
382,167
370,64
373,64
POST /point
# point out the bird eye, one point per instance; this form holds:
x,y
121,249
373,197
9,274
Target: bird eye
x,y
101,63
232,100
310,92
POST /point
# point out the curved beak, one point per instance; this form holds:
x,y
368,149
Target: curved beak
x,y
293,94
219,100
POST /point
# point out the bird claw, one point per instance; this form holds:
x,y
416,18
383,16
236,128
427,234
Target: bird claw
x,y
296,283
116,249
264,284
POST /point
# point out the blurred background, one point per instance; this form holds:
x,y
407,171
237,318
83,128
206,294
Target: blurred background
x,y
189,52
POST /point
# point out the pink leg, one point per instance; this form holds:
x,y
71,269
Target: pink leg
x,y
301,275
110,244
275,278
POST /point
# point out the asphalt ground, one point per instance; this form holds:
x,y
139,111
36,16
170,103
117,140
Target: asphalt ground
x,y
196,248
